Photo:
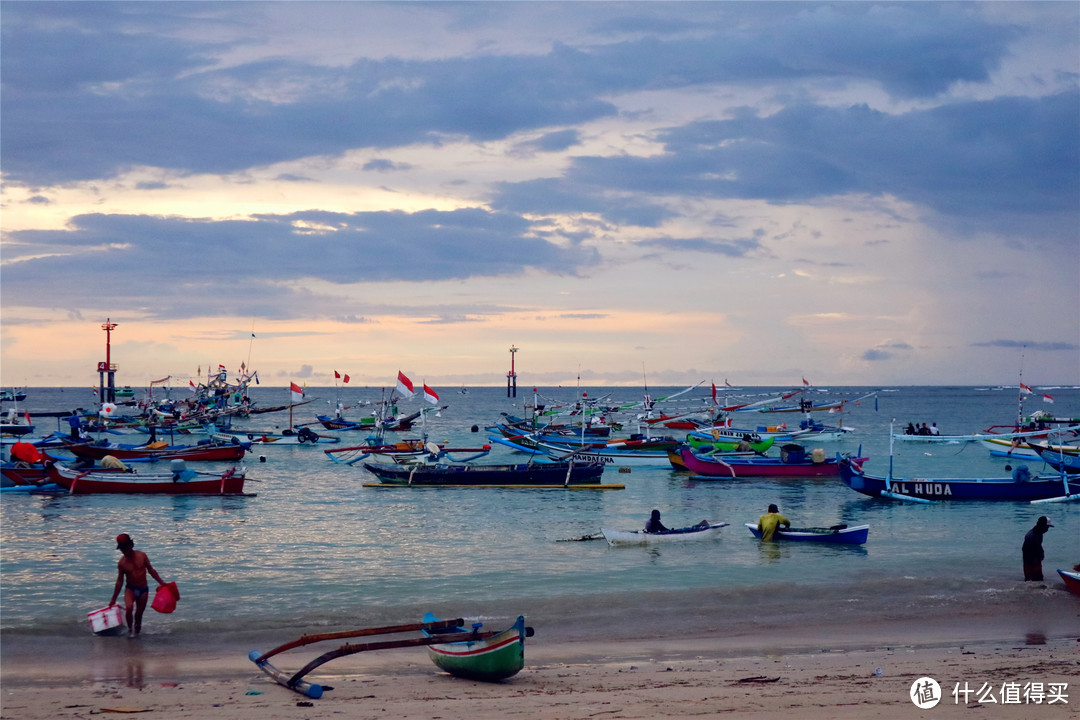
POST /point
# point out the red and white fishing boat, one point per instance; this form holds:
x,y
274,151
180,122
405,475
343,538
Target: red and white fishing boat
x,y
181,481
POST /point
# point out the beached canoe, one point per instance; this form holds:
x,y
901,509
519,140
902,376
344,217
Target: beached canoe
x,y
181,481
1072,580
503,663
490,659
837,534
640,537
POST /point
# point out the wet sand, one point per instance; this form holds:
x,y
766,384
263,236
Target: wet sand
x,y
813,670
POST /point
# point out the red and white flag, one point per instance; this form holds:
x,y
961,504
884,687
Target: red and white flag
x,y
297,391
404,385
1024,388
430,395
192,384
1047,398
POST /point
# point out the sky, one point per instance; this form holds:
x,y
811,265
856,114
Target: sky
x,y
853,193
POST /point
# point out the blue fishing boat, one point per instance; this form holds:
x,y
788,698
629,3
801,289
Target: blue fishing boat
x,y
1021,486
834,535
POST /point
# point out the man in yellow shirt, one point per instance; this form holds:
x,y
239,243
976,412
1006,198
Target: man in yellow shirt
x,y
771,520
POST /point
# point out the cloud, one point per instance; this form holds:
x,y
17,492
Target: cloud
x,y
247,266
1029,345
99,88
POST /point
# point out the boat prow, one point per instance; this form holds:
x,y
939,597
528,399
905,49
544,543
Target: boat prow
x,y
1071,579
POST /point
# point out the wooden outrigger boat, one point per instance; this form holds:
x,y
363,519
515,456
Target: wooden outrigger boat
x,y
459,652
1021,486
206,450
496,657
701,531
789,465
1058,458
181,481
835,535
572,475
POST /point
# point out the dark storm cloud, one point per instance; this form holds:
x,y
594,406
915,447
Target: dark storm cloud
x,y
994,165
244,267
90,89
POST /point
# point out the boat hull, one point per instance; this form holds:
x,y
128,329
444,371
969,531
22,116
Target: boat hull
x,y
640,537
184,483
854,535
1071,579
490,659
753,466
1007,489
209,452
465,474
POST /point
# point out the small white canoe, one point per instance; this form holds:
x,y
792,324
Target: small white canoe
x,y
640,537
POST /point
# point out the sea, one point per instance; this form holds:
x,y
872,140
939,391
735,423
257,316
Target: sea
x,y
310,548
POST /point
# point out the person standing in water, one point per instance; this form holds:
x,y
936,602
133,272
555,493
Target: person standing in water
x,y
771,520
132,568
1032,549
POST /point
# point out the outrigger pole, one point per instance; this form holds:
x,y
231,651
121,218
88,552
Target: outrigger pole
x,y
295,680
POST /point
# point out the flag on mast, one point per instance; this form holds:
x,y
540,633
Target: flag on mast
x,y
805,382
430,395
404,385
297,391
1047,398
1025,389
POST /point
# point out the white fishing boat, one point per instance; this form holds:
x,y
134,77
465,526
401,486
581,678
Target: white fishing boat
x,y
701,531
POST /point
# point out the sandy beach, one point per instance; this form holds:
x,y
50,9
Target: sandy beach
x,y
819,670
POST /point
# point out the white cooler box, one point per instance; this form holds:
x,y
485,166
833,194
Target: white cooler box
x,y
107,621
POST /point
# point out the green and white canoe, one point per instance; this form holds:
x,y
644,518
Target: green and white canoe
x,y
491,659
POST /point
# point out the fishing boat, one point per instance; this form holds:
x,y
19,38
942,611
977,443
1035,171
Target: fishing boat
x,y
337,422
1071,579
180,481
18,474
1057,458
625,455
204,450
1019,448
701,531
835,535
124,392
791,464
434,633
713,441
1020,486
576,475
289,436
14,424
493,658
12,395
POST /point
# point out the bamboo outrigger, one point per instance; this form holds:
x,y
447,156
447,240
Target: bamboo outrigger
x,y
437,632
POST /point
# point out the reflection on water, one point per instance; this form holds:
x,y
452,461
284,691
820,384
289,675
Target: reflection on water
x,y
314,544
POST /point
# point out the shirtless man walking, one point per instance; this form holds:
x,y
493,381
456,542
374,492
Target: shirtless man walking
x,y
133,568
